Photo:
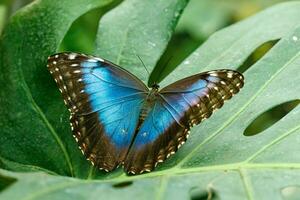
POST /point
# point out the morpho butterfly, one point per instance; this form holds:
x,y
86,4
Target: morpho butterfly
x,y
117,120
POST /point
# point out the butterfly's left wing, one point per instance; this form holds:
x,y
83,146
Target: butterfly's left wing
x,y
178,107
104,101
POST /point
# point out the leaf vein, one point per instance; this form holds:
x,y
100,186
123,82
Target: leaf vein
x,y
246,183
45,120
264,148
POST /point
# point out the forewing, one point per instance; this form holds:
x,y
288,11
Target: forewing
x,y
178,107
104,101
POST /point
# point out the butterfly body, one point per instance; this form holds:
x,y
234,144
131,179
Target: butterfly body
x,y
148,104
117,120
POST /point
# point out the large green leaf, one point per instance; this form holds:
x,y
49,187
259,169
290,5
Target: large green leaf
x,y
36,134
34,125
217,161
202,18
138,28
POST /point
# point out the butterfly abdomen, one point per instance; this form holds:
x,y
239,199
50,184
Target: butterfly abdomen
x,y
144,113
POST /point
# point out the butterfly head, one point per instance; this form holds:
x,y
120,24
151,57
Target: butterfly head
x,y
152,95
155,86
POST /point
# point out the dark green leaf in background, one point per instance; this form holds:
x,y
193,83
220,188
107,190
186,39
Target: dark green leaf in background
x,y
217,161
36,130
81,35
138,28
34,122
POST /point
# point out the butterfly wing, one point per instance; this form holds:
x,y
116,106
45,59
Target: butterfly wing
x,y
104,101
178,107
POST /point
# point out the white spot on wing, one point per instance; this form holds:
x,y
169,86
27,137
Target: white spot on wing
x,y
72,56
99,59
214,74
92,60
77,71
230,75
124,131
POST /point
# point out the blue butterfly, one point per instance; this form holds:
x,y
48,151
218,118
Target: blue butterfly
x,y
117,120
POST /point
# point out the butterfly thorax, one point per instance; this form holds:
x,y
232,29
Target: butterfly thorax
x,y
148,104
152,95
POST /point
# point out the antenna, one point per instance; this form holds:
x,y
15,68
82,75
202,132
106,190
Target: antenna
x,y
143,64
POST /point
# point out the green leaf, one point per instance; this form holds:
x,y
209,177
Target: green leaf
x,y
2,17
202,18
36,133
230,47
34,122
217,161
138,28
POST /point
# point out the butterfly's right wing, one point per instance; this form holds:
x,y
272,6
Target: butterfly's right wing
x,y
178,107
105,102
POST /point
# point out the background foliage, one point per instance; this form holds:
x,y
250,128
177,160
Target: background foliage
x,y
247,150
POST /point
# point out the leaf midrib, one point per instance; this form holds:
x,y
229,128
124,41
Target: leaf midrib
x,y
162,188
32,167
246,183
238,167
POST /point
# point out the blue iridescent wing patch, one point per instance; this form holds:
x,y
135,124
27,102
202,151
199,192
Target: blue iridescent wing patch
x,y
104,101
117,120
177,108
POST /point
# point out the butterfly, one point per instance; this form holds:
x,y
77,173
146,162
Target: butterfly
x,y
118,121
